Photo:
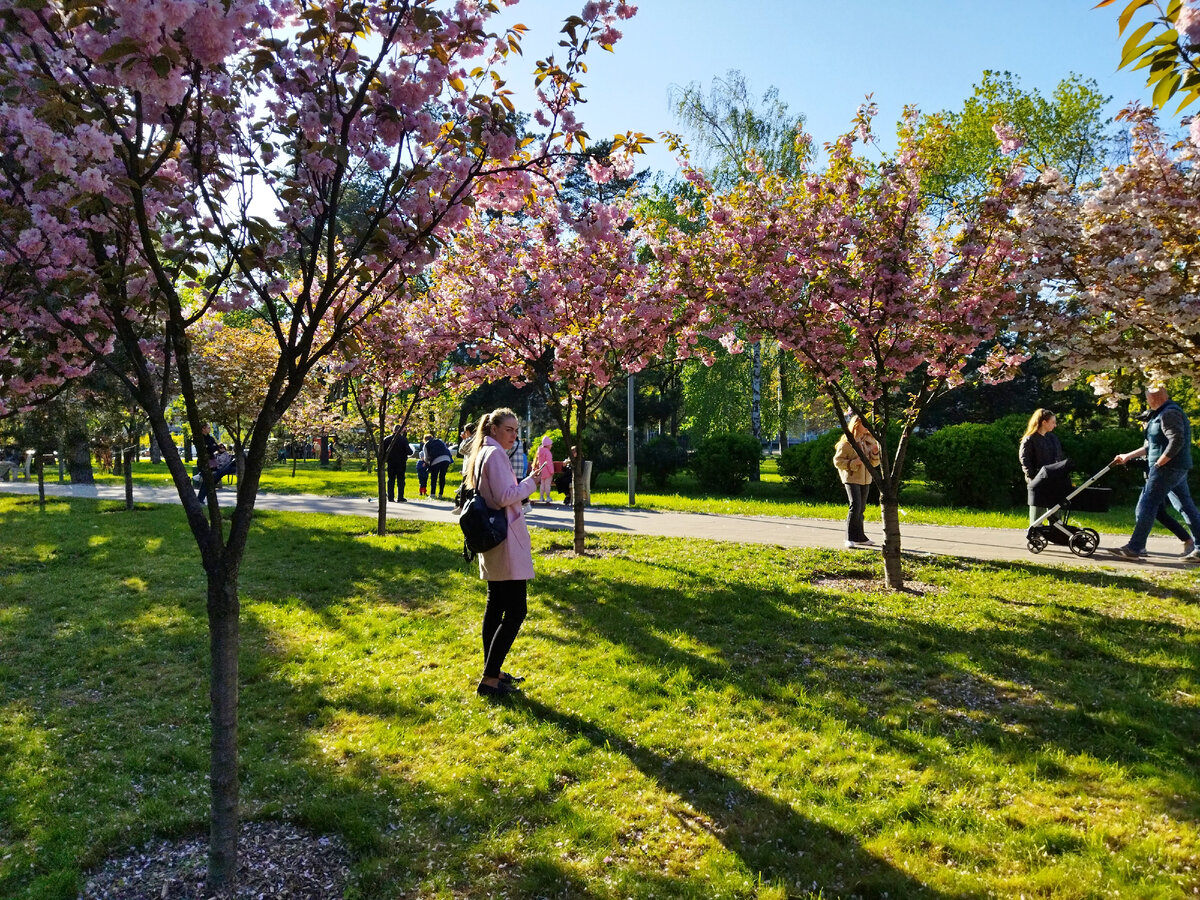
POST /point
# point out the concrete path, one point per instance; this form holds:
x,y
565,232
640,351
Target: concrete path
x,y
927,540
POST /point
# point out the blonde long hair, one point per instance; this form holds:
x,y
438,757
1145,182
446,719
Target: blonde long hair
x,y
1035,421
487,425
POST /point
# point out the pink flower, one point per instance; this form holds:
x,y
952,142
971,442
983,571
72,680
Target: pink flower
x,y
1188,24
1009,140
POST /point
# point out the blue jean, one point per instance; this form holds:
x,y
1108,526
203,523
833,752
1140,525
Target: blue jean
x,y
1162,484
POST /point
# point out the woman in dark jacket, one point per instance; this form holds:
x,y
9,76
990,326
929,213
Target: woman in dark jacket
x,y
1039,447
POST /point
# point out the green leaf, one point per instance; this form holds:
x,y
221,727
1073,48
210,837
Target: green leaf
x,y
1127,14
119,50
1166,90
1132,50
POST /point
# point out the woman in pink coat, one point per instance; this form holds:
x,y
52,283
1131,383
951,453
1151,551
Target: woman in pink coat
x,y
545,461
508,567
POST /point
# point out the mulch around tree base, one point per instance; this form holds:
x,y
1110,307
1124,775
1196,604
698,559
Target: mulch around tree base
x,y
274,860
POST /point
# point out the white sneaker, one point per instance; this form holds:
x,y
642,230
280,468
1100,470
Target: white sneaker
x,y
1189,547
860,545
1192,557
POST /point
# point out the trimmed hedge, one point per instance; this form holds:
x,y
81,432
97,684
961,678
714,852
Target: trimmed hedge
x,y
725,462
973,465
659,459
809,467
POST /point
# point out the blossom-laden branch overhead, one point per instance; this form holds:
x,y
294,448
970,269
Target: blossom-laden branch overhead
x,y
1120,263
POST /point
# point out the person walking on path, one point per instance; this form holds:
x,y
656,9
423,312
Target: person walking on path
x,y
507,567
438,458
396,451
1039,447
856,478
466,441
545,462
1168,452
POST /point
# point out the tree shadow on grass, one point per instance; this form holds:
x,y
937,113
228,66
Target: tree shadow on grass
x,y
1087,680
769,836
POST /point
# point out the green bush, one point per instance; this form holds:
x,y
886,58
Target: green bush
x,y
659,459
972,465
558,447
725,462
809,467
1091,452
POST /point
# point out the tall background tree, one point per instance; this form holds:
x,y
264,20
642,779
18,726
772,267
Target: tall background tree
x,y
728,124
845,268
558,300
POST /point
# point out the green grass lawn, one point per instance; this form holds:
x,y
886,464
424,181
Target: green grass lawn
x,y
701,720
770,496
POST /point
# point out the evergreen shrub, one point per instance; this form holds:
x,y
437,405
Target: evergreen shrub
x,y
972,465
659,459
724,463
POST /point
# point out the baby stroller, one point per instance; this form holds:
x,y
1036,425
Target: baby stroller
x,y
1052,487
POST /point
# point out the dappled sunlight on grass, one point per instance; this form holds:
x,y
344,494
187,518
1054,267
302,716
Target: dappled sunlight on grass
x,y
700,720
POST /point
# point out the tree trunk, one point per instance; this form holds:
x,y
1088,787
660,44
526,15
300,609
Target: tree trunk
x,y
187,446
324,450
41,472
79,460
889,503
577,489
223,614
155,452
128,464
783,402
381,487
756,396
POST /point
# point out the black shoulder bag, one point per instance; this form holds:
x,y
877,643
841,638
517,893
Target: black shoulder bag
x,y
483,528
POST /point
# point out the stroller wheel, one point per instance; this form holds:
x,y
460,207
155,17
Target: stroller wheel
x,y
1084,542
1035,541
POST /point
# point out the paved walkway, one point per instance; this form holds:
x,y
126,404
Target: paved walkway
x,y
1006,544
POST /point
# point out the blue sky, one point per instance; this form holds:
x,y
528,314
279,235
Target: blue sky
x,y
826,56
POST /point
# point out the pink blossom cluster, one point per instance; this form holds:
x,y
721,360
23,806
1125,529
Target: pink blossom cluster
x,y
177,157
843,268
1118,265
1187,24
558,298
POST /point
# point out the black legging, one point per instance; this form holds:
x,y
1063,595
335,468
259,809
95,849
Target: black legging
x,y
502,620
857,495
437,478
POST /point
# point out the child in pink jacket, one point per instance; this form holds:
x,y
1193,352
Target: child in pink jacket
x,y
545,459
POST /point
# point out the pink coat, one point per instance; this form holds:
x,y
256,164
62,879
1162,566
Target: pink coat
x,y
546,457
512,560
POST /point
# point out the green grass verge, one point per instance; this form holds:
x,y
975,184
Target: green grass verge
x,y
701,720
769,497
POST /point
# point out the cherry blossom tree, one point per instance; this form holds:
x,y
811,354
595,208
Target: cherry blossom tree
x,y
883,307
153,148
1119,264
559,300
402,354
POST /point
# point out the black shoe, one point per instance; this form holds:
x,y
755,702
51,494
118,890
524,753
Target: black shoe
x,y
499,690
401,500
506,678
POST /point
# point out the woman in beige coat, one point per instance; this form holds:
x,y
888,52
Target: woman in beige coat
x,y
507,567
856,478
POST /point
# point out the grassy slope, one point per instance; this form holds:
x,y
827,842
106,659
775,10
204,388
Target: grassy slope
x,y
700,721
